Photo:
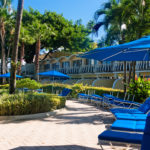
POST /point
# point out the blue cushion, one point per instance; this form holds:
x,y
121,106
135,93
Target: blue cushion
x,y
146,136
123,110
126,116
129,125
145,107
121,137
65,92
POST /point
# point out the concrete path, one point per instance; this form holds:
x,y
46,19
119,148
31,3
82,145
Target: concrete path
x,y
74,128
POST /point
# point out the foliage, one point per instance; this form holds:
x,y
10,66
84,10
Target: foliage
x,y
28,83
140,88
31,103
60,32
133,14
5,86
77,88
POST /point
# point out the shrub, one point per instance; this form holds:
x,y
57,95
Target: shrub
x,y
30,103
78,88
28,83
5,86
140,88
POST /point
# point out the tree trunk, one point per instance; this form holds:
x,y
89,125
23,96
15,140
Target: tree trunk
x,y
7,57
21,58
125,64
15,48
38,46
3,57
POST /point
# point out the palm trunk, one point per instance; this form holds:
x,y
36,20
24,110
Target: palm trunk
x,y
15,48
7,58
3,57
38,46
21,58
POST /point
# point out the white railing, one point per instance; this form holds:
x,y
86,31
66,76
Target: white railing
x,y
100,68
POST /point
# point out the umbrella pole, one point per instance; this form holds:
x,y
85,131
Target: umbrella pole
x,y
125,64
134,65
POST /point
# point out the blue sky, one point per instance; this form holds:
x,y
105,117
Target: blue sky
x,y
71,9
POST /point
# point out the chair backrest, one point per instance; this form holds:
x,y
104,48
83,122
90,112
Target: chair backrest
x,y
146,135
145,107
65,92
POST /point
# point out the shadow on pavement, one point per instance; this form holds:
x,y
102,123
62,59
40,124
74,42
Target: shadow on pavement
x,y
62,147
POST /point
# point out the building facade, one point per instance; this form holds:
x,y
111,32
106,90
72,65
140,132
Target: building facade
x,y
90,72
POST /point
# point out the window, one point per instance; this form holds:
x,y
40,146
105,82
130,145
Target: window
x,y
55,66
77,63
65,64
47,66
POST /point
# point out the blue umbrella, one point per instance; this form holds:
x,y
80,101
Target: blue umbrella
x,y
137,50
54,73
7,75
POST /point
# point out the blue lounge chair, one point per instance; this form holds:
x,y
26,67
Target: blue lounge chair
x,y
112,101
128,138
83,97
144,108
96,99
126,116
65,92
128,125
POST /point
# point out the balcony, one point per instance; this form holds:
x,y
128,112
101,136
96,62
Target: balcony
x,y
115,67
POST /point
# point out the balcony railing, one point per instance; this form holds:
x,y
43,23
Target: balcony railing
x,y
101,68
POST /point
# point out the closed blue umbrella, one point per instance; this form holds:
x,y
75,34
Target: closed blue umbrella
x,y
137,50
7,75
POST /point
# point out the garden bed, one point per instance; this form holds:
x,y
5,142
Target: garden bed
x,y
29,103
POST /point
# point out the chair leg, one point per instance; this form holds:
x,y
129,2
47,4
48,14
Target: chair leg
x,y
99,142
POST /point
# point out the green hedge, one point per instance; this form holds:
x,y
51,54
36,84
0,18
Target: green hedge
x,y
80,88
30,103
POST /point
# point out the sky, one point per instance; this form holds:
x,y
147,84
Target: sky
x,y
71,9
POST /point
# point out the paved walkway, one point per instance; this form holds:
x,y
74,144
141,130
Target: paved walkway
x,y
74,128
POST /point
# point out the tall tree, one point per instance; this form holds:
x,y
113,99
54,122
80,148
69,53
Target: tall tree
x,y
25,38
15,48
4,8
39,31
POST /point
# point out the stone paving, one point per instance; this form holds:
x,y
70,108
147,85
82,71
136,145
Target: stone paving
x,y
73,128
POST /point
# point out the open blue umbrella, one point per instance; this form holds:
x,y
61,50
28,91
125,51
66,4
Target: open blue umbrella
x,y
54,73
7,75
138,50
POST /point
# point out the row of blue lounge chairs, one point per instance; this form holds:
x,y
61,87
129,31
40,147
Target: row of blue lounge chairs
x,y
132,125
107,100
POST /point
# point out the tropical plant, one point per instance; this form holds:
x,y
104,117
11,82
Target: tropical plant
x,y
28,83
25,38
39,31
29,103
4,8
15,48
140,88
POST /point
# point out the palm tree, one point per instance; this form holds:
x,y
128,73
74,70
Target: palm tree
x,y
39,31
136,17
112,23
4,8
25,38
15,48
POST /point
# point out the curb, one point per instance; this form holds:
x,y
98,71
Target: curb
x,y
32,116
